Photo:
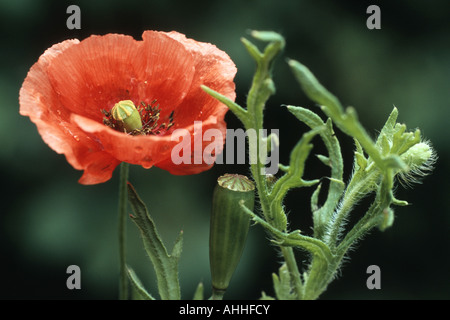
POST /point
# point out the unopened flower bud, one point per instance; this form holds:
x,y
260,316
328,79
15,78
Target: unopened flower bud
x,y
420,159
417,155
229,227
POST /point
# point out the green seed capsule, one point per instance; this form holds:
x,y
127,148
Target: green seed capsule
x,y
125,113
229,228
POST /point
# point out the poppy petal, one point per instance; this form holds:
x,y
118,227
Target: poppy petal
x,y
72,82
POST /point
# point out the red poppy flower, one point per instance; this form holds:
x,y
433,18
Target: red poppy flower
x,y
70,91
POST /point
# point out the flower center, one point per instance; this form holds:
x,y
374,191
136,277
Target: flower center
x,y
142,120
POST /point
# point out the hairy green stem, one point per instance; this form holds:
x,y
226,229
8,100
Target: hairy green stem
x,y
353,194
123,196
296,280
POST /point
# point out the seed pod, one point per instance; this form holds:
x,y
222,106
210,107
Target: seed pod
x,y
126,114
229,228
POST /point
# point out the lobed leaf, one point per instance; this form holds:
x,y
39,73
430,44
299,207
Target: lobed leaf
x,y
334,160
137,285
165,265
282,284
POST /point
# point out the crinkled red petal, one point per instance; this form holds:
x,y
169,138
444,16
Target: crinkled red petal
x,y
40,102
65,91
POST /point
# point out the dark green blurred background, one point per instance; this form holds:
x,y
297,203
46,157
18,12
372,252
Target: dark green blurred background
x,y
48,221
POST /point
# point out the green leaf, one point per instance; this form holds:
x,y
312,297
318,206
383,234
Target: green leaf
x,y
360,162
268,36
282,284
398,202
264,296
165,266
177,247
323,264
137,285
238,111
334,160
252,49
291,179
315,199
198,294
293,239
402,140
346,120
314,90
262,85
388,128
275,46
299,154
324,159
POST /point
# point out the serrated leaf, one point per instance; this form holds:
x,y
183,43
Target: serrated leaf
x,y
360,161
334,160
294,172
177,247
385,146
262,85
358,146
388,128
165,266
313,89
137,285
346,120
282,284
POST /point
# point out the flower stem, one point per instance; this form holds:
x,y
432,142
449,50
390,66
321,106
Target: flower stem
x,y
123,279
217,294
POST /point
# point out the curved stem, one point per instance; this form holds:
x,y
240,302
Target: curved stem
x,y
123,278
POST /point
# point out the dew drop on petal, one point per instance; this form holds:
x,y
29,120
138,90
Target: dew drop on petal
x,y
147,162
138,149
